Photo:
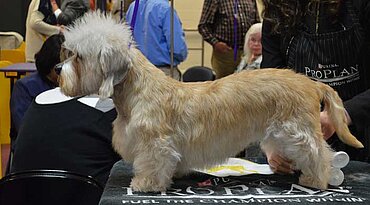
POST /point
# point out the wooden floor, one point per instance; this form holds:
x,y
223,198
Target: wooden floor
x,y
5,148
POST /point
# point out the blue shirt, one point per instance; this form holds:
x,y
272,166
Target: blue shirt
x,y
24,92
152,32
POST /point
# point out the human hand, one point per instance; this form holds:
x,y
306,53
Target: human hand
x,y
279,164
221,47
61,28
327,127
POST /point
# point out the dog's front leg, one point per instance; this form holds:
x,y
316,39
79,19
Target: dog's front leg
x,y
154,166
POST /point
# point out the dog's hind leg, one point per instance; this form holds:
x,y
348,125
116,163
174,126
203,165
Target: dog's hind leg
x,y
154,166
304,144
316,173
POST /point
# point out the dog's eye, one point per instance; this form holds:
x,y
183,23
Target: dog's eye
x,y
69,53
66,53
79,57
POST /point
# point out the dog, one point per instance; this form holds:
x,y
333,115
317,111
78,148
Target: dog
x,y
165,128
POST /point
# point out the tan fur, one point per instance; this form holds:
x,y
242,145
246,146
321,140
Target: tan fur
x,y
165,127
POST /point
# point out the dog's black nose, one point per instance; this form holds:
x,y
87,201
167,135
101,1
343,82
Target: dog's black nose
x,y
58,68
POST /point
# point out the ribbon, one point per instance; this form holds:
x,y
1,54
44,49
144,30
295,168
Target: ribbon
x,y
235,29
121,11
134,15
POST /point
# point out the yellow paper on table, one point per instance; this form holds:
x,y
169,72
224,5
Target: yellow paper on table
x,y
237,167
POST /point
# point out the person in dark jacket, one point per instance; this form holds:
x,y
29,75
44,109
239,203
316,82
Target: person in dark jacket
x,y
63,133
328,41
26,89
69,12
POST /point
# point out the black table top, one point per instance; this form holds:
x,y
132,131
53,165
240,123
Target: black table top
x,y
201,188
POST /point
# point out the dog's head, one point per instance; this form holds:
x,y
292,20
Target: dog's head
x,y
96,55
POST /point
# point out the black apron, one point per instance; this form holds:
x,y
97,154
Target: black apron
x,y
332,57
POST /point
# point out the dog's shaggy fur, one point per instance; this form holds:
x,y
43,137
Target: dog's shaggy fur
x,y
165,127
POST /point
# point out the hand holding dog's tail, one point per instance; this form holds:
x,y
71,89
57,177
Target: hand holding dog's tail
x,y
334,107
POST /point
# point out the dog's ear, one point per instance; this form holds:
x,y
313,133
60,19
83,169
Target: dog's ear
x,y
106,89
114,69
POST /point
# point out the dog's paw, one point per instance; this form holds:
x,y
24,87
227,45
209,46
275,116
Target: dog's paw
x,y
312,182
146,185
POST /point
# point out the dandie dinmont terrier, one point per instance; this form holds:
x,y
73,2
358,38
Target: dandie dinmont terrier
x,y
166,128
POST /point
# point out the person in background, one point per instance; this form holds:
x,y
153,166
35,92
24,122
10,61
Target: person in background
x,y
328,41
40,24
90,4
152,33
119,9
223,24
26,89
72,10
252,55
71,134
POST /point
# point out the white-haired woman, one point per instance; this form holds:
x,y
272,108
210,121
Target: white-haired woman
x,y
252,48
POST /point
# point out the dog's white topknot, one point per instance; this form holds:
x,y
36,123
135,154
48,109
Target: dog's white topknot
x,y
96,29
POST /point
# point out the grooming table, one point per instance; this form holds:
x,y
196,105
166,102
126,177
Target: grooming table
x,y
200,188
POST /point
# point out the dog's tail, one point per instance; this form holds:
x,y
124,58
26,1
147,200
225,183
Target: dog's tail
x,y
334,106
